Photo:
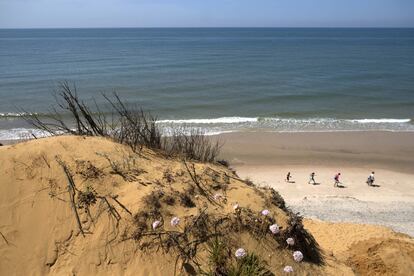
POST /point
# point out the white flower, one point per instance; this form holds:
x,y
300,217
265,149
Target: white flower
x,y
274,228
236,206
298,256
265,212
288,269
155,224
175,221
217,197
290,241
240,253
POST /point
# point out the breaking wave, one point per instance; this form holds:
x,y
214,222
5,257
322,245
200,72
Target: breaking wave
x,y
214,126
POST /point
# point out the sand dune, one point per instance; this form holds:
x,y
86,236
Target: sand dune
x,y
118,194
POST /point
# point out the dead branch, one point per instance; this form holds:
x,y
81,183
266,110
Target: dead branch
x,y
44,159
72,192
4,238
194,177
120,204
111,208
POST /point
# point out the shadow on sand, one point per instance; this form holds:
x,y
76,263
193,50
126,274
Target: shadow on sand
x,y
340,186
375,185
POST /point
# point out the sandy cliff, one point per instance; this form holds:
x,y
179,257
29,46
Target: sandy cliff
x,y
85,206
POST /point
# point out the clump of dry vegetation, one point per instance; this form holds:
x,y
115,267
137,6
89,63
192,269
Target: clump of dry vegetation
x,y
218,233
127,125
221,262
127,168
186,201
87,170
86,198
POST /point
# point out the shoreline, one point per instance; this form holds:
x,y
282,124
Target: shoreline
x,y
368,149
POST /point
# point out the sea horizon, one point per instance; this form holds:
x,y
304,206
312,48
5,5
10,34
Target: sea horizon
x,y
207,27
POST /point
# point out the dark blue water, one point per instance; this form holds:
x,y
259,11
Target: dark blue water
x,y
278,79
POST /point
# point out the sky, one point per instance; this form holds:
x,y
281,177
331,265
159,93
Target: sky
x,y
205,13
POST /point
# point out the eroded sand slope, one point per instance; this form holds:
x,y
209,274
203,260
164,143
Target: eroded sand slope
x,y
40,234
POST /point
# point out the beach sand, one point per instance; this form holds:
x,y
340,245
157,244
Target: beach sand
x,y
266,158
40,235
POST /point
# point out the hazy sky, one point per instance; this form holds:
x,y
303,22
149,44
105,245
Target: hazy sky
x,y
206,13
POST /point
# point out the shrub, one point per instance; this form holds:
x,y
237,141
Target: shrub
x,y
218,256
127,125
186,200
82,120
86,198
251,265
169,200
249,182
191,144
224,163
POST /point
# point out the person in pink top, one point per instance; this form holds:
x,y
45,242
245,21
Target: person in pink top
x,y
336,178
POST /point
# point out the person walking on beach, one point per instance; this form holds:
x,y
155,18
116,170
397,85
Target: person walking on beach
x,y
288,177
336,178
312,178
371,179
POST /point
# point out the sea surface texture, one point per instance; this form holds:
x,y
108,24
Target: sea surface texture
x,y
218,79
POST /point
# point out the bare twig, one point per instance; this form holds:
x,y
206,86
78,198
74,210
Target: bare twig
x,y
4,238
194,177
72,193
44,159
111,208
127,125
120,204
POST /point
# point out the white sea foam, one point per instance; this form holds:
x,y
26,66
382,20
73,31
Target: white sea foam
x,y
235,124
222,125
15,114
222,120
21,133
238,120
379,121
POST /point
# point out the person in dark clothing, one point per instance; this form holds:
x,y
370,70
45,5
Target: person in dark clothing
x,y
312,178
336,178
288,177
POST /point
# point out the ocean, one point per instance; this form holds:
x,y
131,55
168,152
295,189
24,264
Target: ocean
x,y
218,79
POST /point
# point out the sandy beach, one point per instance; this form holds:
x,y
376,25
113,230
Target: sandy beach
x,y
266,158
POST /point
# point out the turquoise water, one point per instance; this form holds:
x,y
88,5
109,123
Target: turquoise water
x,y
244,79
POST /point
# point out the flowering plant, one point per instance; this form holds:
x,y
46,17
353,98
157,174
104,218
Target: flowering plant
x,y
175,221
265,212
290,241
155,224
217,197
274,228
297,256
240,253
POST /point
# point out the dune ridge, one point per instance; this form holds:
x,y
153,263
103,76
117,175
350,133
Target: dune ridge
x,y
73,205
